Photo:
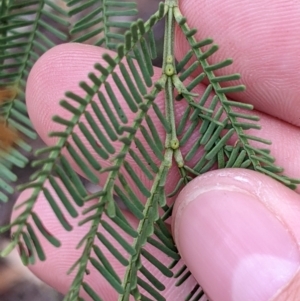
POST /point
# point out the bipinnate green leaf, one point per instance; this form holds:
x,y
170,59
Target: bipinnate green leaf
x,y
116,130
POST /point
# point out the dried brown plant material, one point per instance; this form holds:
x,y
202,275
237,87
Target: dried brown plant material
x,y
8,136
8,93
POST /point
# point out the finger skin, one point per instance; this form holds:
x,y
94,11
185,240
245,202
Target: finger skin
x,y
281,204
291,291
266,88
53,271
60,70
261,39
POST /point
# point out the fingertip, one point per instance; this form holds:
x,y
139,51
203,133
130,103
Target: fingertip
x,y
54,270
234,245
248,32
58,70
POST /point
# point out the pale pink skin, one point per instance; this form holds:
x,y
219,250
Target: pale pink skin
x,y
263,38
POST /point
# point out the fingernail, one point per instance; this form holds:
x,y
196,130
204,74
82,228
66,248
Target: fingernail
x,y
234,246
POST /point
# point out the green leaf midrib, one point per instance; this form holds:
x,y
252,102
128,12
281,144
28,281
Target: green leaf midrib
x,y
109,187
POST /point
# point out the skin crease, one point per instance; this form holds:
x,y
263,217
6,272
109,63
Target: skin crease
x,y
265,51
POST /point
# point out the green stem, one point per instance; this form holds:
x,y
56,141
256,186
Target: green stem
x,y
169,70
138,242
172,3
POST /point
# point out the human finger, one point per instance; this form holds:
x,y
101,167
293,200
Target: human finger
x,y
238,232
260,37
53,270
60,70
64,66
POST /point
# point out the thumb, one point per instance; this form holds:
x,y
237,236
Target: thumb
x,y
239,234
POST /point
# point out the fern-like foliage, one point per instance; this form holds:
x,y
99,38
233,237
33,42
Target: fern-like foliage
x,y
24,36
104,24
126,136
